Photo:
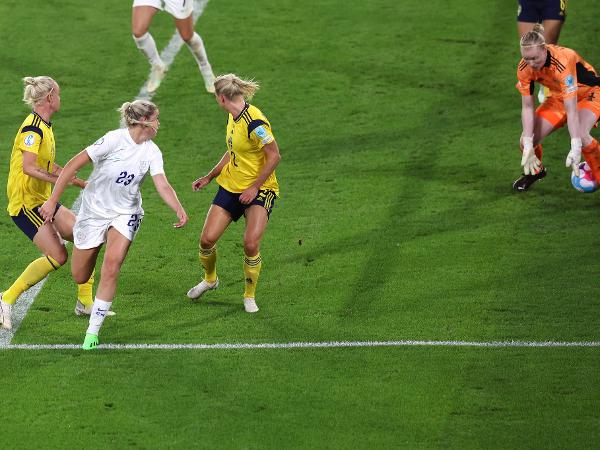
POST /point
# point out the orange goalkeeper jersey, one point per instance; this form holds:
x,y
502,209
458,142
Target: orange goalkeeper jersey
x,y
565,73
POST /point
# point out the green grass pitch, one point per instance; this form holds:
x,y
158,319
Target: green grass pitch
x,y
398,124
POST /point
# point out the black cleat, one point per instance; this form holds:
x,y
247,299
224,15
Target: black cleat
x,y
525,181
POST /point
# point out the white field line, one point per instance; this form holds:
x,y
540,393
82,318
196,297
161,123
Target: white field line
x,y
26,299
292,345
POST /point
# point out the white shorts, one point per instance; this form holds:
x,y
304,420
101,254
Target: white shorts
x,y
91,232
180,9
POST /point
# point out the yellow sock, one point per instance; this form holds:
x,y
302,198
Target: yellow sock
x,y
84,291
252,265
35,272
208,258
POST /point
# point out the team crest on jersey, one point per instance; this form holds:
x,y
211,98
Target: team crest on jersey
x,y
144,166
29,140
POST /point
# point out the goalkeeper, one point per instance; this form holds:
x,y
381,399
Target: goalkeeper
x,y
575,100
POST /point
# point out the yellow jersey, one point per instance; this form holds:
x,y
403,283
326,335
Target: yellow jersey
x,y
246,135
35,136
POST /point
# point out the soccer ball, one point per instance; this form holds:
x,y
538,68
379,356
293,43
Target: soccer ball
x,y
585,182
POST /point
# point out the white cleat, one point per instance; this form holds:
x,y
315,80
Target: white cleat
x,y
209,78
156,76
201,288
5,310
82,310
250,305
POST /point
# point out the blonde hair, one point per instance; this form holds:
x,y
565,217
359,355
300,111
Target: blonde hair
x,y
231,86
133,113
36,88
534,38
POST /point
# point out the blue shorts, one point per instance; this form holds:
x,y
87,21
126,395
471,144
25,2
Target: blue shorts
x,y
536,11
230,202
29,220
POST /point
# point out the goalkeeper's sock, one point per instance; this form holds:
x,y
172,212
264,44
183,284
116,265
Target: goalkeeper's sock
x,y
591,153
538,151
252,265
99,310
208,258
35,272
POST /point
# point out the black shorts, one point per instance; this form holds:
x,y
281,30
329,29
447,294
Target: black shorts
x,y
231,202
536,11
29,220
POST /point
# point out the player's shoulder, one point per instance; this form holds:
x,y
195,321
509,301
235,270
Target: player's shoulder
x,y
560,56
255,113
33,123
523,67
153,149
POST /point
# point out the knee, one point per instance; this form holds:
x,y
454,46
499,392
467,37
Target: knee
x,y
251,247
207,242
139,31
186,35
60,258
79,276
110,268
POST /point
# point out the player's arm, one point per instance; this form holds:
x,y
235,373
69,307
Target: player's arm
x,y
169,196
272,158
64,179
75,181
214,172
30,168
531,164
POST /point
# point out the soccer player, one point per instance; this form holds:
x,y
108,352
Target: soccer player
x,y
247,185
31,175
111,208
181,10
574,100
551,14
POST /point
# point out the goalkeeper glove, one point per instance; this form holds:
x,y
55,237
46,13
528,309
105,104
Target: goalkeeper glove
x,y
574,156
531,164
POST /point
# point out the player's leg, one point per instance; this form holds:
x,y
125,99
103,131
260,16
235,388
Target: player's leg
x,y
141,16
47,240
554,14
217,221
64,220
256,223
117,246
195,44
552,30
588,117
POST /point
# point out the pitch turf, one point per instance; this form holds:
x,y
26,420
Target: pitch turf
x,y
398,125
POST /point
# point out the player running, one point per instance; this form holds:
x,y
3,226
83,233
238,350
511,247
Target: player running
x,y
31,175
247,185
111,208
574,100
142,13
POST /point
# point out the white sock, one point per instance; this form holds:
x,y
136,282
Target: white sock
x,y
147,46
99,310
196,46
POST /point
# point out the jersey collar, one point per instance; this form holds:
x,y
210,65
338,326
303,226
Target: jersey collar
x,y
48,124
246,105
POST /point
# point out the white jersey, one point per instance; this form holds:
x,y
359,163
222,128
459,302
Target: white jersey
x,y
120,167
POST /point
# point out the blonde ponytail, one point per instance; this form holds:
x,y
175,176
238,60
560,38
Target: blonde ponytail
x,y
36,88
231,86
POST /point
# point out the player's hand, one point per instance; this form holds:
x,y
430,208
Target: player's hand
x,y
201,182
47,210
248,195
183,218
531,164
574,156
